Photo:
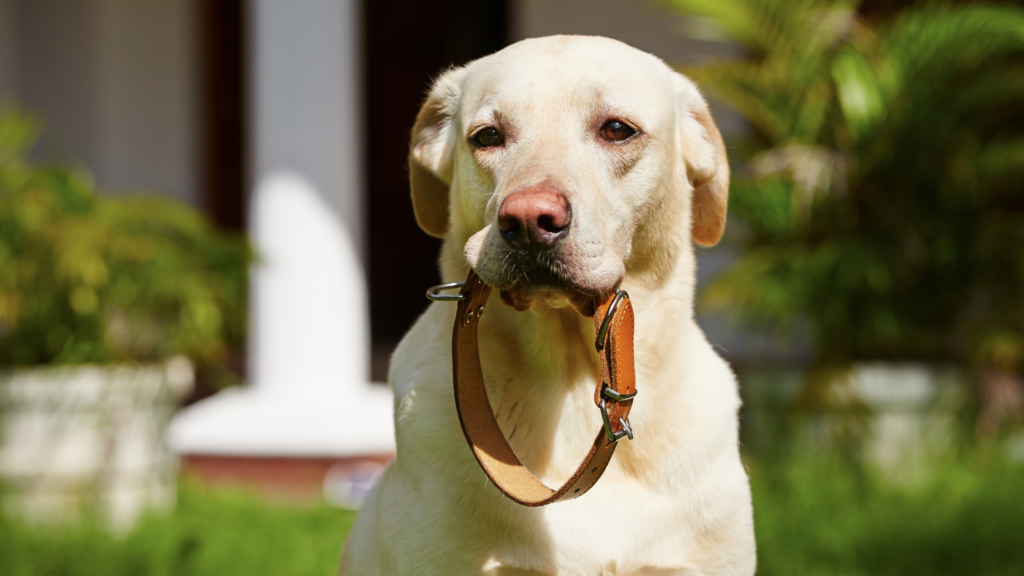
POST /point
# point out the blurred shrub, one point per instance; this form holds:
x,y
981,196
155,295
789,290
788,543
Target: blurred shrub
x,y
216,533
881,197
90,279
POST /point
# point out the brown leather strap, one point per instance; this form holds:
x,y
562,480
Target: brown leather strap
x,y
489,445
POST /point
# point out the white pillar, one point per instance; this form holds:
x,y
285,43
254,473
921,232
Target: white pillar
x,y
309,342
309,313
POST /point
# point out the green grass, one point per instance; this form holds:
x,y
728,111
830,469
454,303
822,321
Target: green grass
x,y
215,533
830,520
813,518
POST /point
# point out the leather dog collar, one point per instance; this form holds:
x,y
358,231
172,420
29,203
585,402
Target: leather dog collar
x,y
613,321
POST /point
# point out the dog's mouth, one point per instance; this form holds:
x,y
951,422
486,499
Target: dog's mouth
x,y
544,282
564,275
522,295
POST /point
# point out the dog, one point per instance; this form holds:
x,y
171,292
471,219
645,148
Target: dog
x,y
560,170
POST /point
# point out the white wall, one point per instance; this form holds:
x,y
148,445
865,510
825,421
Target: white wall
x,y
117,83
147,105
55,62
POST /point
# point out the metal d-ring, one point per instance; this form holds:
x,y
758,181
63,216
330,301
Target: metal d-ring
x,y
602,333
433,293
612,435
608,394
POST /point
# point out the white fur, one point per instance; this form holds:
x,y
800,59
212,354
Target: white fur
x,y
676,499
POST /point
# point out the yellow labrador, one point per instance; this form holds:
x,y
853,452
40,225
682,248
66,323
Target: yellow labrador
x,y
561,169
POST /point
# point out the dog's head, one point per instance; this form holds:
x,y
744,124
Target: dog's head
x,y
555,162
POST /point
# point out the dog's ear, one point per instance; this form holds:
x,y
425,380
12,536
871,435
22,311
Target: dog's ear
x,y
430,154
706,164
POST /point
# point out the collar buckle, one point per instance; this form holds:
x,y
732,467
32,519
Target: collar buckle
x,y
615,435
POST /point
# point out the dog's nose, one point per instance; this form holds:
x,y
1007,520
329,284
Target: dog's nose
x,y
534,218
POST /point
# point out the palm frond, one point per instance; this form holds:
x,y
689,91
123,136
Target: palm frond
x,y
924,115
942,40
776,27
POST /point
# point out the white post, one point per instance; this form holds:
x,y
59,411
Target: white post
x,y
309,344
309,307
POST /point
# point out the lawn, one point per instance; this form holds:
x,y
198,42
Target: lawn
x,y
830,520
813,518
211,533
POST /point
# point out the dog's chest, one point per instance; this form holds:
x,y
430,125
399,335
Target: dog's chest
x,y
607,532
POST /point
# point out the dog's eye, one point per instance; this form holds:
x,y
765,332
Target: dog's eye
x,y
616,131
488,137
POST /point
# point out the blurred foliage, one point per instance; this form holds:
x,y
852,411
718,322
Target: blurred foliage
x,y
215,533
881,199
812,518
85,278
